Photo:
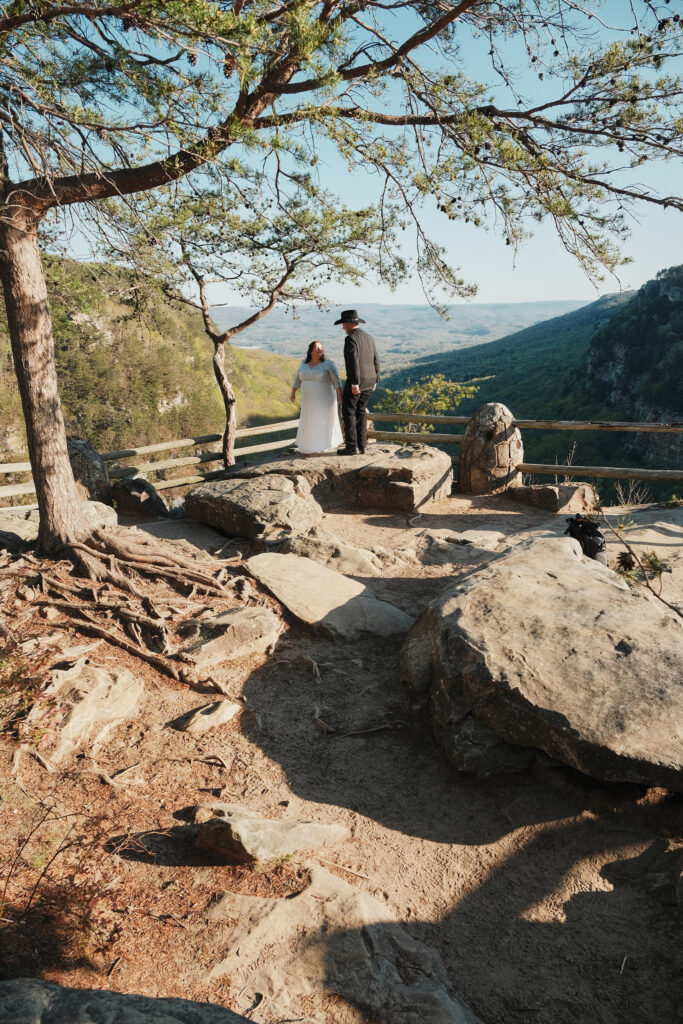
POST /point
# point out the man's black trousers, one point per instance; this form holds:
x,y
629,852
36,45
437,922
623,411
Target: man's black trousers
x,y
354,414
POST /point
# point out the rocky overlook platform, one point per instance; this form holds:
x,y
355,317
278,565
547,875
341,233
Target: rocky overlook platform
x,y
429,746
389,477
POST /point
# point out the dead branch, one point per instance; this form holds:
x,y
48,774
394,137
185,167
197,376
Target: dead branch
x,y
646,579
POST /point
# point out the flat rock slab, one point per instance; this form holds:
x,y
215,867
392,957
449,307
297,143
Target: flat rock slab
x,y
32,1001
325,547
388,477
202,538
576,497
332,937
325,599
255,507
209,716
448,547
83,704
230,635
549,650
19,526
242,835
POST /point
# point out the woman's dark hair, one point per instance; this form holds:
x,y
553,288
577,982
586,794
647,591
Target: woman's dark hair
x,y
309,353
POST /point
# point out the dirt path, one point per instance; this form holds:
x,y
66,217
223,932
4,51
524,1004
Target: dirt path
x,y
533,888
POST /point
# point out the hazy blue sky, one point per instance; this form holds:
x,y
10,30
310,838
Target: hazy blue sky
x,y
541,269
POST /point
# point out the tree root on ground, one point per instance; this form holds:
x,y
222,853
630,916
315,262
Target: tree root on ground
x,y
111,556
117,567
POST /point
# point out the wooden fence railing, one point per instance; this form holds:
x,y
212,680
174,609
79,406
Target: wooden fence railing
x,y
119,471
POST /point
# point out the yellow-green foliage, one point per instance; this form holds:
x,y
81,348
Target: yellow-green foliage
x,y
135,368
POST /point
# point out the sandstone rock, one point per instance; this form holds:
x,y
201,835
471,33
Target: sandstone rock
x,y
98,514
136,496
32,1001
249,508
575,497
242,835
446,547
333,937
90,471
490,452
83,704
200,537
549,650
323,598
19,526
653,529
209,716
324,547
388,477
230,635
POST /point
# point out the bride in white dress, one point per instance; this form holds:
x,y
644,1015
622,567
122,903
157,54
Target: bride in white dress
x,y
317,377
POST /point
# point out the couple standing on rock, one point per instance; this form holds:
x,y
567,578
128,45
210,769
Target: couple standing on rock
x,y
318,379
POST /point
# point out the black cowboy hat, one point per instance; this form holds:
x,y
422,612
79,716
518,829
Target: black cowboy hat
x,y
349,316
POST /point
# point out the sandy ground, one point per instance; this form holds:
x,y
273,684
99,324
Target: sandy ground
x,y
533,888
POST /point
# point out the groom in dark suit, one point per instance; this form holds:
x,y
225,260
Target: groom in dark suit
x,y
362,374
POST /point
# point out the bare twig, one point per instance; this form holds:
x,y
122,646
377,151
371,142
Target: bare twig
x,y
646,579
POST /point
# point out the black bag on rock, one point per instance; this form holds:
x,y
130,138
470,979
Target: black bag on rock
x,y
589,536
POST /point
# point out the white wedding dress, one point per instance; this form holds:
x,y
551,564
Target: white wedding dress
x,y
319,427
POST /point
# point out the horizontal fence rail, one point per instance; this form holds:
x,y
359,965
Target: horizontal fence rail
x,y
119,472
416,417
653,428
613,472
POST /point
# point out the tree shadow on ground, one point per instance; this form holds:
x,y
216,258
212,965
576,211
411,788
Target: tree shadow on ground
x,y
353,740
172,847
39,939
526,946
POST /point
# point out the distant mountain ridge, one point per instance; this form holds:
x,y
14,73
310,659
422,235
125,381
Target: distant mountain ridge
x,y
619,358
403,332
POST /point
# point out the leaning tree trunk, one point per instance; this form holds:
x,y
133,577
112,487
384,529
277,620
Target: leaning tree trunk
x,y
30,330
229,401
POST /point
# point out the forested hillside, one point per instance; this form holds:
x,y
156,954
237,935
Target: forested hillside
x,y
135,368
618,358
637,357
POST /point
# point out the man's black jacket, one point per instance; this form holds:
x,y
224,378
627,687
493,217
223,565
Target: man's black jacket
x,y
360,357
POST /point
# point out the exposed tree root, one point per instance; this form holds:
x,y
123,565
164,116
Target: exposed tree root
x,y
114,556
123,575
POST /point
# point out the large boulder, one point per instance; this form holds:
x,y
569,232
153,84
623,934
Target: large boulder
x,y
136,496
33,1001
90,471
548,650
331,937
490,452
387,477
254,507
336,605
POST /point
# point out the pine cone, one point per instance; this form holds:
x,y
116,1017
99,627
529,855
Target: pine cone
x,y
625,561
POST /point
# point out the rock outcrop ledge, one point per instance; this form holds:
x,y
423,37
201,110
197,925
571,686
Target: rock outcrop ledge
x,y
548,650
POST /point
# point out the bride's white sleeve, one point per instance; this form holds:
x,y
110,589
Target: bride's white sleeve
x,y
333,374
296,384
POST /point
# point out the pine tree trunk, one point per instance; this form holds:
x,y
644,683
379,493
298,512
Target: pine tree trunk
x,y
30,329
229,401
